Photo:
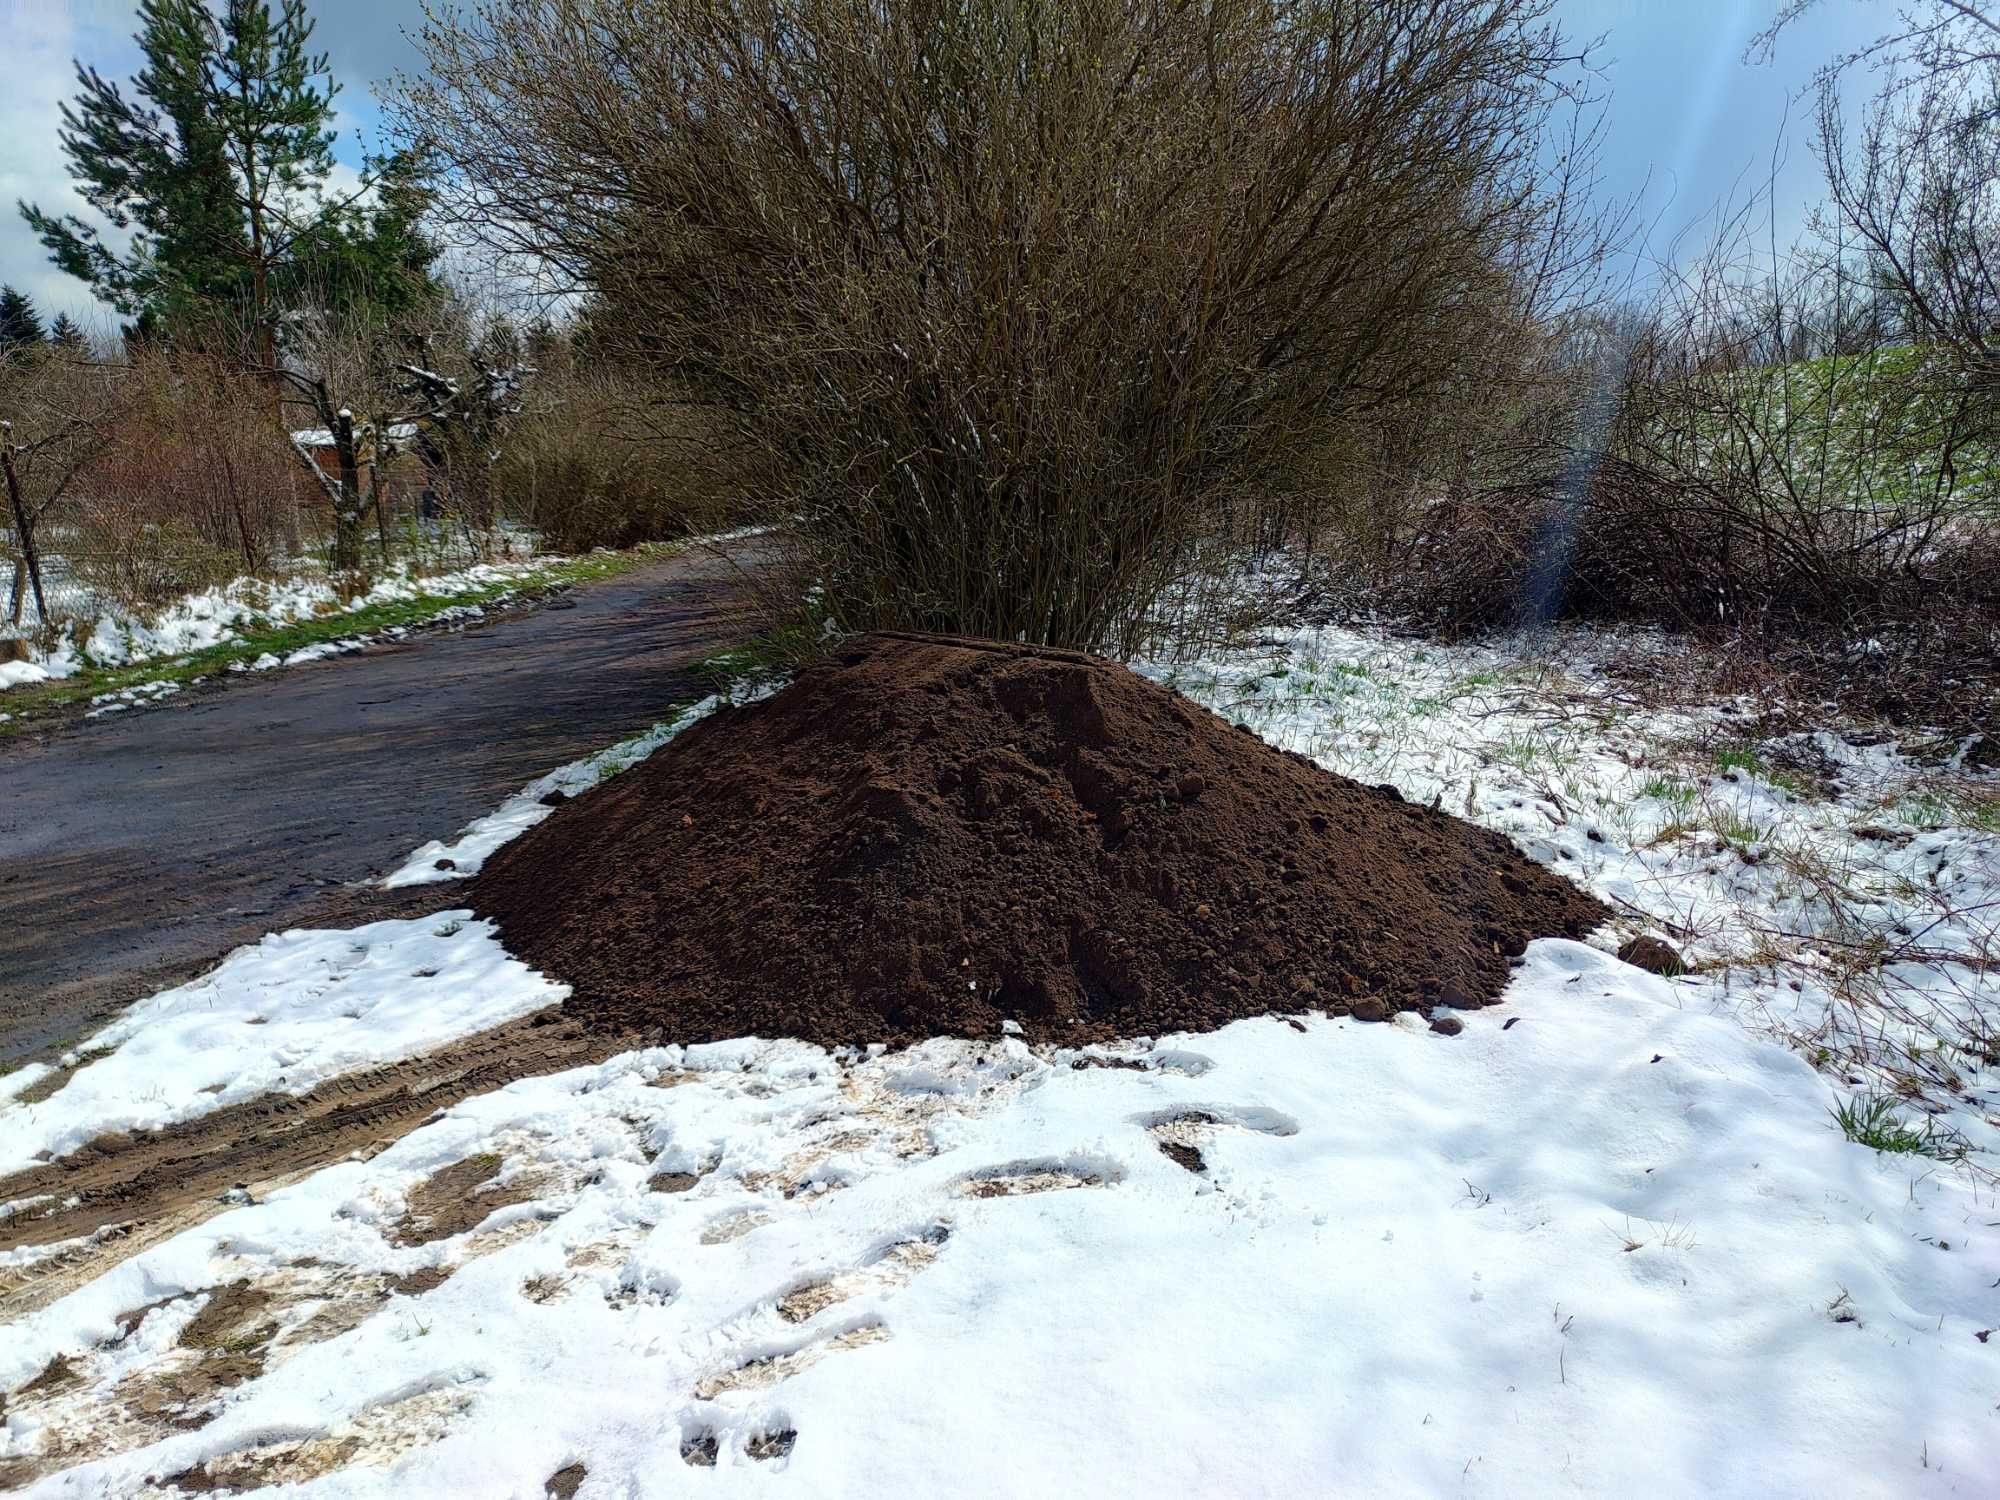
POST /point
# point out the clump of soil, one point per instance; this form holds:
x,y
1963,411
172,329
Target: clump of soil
x,y
932,837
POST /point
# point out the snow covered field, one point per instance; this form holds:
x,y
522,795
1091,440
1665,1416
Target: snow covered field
x,y
1608,1240
283,1016
115,637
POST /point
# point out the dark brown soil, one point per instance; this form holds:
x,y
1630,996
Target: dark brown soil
x,y
931,837
454,1199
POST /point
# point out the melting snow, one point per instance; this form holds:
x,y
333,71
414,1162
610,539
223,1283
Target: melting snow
x,y
282,1016
1615,1248
117,637
1607,1240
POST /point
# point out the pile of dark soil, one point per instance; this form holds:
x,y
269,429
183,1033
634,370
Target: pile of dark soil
x,y
930,837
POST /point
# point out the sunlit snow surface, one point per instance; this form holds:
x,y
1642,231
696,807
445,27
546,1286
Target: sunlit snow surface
x,y
283,1015
1828,888
1613,1248
1607,1241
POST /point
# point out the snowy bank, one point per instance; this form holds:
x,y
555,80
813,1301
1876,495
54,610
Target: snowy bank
x,y
1604,1242
1825,887
283,1016
117,637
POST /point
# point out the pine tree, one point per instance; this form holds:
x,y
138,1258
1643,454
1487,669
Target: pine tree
x,y
219,164
66,336
20,325
154,164
371,257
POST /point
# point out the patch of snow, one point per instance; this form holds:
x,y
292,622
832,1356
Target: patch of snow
x,y
117,637
283,1016
124,698
321,650
15,673
1604,1242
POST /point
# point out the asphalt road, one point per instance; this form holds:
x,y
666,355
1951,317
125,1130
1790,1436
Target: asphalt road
x,y
138,848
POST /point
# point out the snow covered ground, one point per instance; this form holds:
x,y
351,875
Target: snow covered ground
x,y
1608,1240
1827,888
1600,1243
116,637
282,1016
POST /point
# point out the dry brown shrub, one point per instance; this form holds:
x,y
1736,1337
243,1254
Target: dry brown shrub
x,y
599,459
1027,310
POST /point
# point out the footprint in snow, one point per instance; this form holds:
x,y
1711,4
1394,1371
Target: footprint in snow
x,y
1046,1175
770,1442
780,1362
1181,1133
891,1266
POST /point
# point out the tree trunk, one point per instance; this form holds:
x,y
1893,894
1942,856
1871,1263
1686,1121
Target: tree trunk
x,y
378,489
24,529
236,507
347,503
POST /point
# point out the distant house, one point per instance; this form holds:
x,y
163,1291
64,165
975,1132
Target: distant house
x,y
405,472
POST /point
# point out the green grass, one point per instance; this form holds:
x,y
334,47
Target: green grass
x,y
1858,429
1930,811
34,706
1739,758
770,653
1735,828
1873,1122
1673,791
1795,787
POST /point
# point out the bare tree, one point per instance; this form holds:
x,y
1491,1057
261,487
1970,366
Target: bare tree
x,y
463,420
1024,306
52,421
336,368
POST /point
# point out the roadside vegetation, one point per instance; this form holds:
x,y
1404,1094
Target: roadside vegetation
x,y
262,643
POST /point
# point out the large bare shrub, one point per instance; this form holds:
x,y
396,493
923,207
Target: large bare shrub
x,y
54,413
1021,305
588,465
192,480
1738,457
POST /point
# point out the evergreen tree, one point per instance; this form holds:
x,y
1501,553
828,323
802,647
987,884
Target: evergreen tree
x,y
371,256
153,164
66,336
20,325
218,162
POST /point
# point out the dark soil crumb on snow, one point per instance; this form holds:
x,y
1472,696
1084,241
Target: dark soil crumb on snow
x,y
931,837
1188,1157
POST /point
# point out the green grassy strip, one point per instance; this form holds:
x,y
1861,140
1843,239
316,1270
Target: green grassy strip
x,y
1847,430
33,706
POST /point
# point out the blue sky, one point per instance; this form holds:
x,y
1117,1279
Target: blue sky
x,y
1688,117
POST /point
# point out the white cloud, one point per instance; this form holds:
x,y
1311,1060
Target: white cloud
x,y
39,42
